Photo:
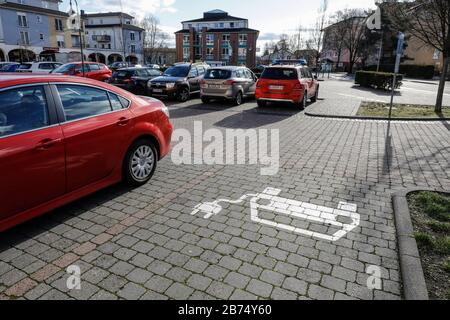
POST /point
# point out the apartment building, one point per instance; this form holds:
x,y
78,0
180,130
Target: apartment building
x,y
35,30
218,39
112,37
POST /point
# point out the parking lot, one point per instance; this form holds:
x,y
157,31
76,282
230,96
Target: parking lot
x,y
144,243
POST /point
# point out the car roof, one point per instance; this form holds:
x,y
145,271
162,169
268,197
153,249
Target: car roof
x,y
232,68
16,79
135,68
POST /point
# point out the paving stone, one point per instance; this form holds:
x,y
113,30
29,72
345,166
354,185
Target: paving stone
x,y
259,288
131,291
179,291
237,280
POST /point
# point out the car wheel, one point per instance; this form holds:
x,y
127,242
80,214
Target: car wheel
x,y
304,102
183,95
205,100
261,103
316,96
140,163
238,99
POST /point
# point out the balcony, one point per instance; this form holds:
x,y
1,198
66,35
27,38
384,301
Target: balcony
x,y
101,38
226,57
209,57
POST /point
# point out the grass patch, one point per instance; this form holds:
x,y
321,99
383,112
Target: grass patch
x,y
380,109
430,213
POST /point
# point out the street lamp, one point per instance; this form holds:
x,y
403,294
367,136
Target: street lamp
x,y
80,34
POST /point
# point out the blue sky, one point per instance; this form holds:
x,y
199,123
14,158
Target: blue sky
x,y
270,17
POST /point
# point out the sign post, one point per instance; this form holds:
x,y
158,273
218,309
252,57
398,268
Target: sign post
x,y
399,52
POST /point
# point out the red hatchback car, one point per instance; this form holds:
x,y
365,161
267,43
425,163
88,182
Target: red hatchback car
x,y
92,70
293,84
62,138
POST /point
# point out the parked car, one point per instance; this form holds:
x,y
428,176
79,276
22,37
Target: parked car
x,y
258,70
153,66
287,83
180,81
231,83
41,67
92,70
62,138
134,79
10,67
118,65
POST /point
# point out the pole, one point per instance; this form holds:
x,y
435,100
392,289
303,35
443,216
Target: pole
x,y
80,29
401,38
380,52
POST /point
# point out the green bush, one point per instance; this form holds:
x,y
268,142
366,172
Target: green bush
x,y
435,205
409,70
377,80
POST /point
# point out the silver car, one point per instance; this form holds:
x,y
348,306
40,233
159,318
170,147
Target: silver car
x,y
231,83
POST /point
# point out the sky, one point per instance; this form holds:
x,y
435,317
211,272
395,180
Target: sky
x,y
271,18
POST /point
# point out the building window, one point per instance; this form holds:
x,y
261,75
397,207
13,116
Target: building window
x,y
186,53
243,39
45,5
101,21
186,40
103,46
109,45
209,39
221,25
59,25
132,36
226,38
60,42
133,48
23,22
24,38
242,52
38,19
231,24
209,53
41,36
225,51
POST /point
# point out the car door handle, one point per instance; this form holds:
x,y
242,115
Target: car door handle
x,y
123,121
47,144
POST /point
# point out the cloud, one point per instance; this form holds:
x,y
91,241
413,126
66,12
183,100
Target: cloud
x,y
269,36
138,7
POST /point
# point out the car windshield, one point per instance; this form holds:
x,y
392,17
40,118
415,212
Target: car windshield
x,y
177,71
7,67
25,66
64,68
279,74
122,74
218,74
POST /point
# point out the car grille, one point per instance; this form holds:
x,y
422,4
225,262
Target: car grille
x,y
158,85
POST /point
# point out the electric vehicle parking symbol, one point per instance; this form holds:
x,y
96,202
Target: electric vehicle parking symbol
x,y
294,209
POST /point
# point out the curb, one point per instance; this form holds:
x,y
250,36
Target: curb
x,y
327,116
414,285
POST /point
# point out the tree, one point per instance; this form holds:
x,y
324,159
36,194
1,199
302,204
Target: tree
x,y
428,21
154,38
315,41
333,36
296,42
354,24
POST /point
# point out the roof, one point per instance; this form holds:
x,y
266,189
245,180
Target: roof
x,y
11,79
108,14
227,68
124,26
23,7
215,15
229,30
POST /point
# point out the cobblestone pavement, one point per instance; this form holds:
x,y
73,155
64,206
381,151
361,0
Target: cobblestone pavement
x,y
343,98
145,244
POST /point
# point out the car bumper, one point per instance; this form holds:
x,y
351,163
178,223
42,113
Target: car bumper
x,y
162,92
218,93
279,97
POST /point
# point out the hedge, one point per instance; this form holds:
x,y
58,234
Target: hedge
x,y
409,70
377,80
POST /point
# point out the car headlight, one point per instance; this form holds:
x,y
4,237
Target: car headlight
x,y
166,111
170,85
149,84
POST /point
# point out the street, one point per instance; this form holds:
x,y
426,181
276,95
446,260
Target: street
x,y
144,243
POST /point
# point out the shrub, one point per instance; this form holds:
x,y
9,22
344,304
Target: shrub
x,y
377,80
435,205
409,70
424,240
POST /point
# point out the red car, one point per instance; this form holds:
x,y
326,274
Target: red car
x,y
92,70
293,84
62,138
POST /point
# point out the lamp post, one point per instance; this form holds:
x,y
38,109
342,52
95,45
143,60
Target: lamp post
x,y
80,28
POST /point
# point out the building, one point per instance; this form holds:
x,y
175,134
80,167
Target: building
x,y
34,30
218,39
112,37
160,56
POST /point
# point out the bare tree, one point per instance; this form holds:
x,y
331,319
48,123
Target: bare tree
x,y
354,24
315,41
428,21
333,36
154,38
296,42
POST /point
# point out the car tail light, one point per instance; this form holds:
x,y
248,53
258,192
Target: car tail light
x,y
298,86
260,83
229,82
203,83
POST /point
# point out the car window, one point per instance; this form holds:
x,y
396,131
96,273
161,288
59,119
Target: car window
x,y
154,73
94,67
248,74
23,109
46,66
219,74
279,74
116,102
82,101
193,72
78,68
201,70
239,73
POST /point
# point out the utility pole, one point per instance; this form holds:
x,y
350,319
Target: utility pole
x,y
80,32
123,32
